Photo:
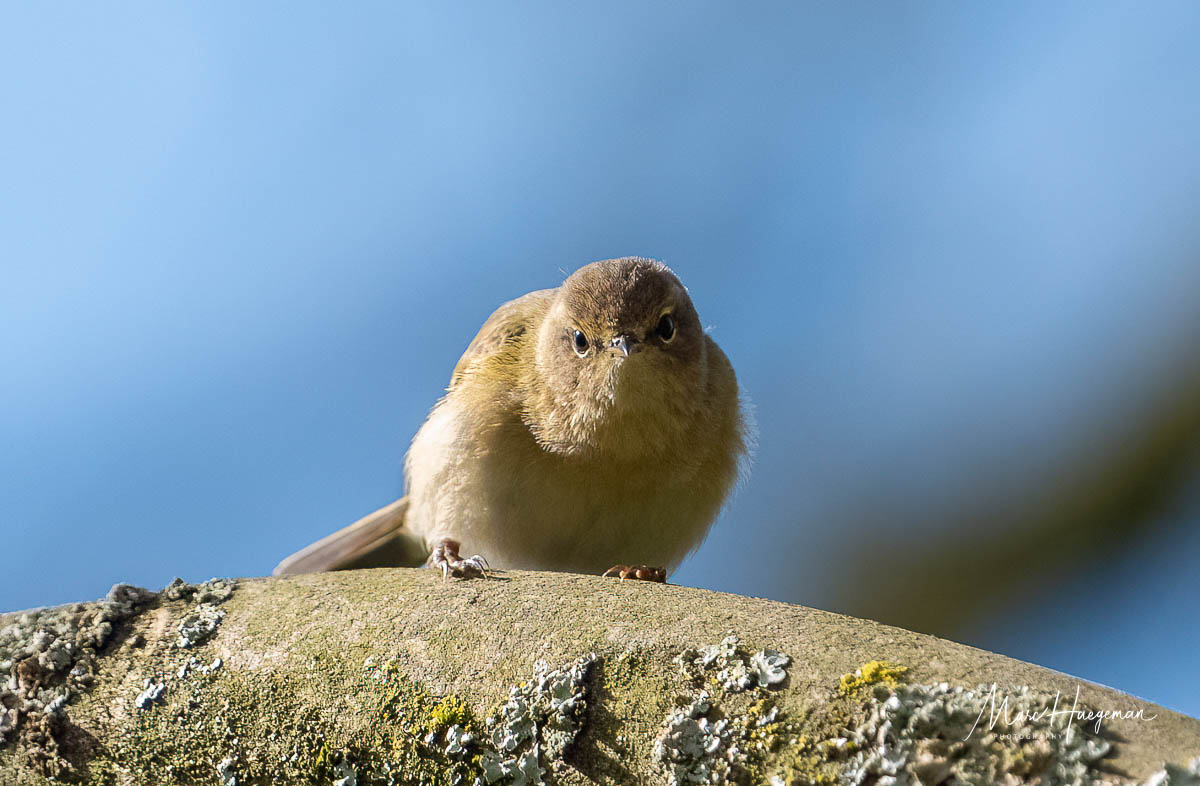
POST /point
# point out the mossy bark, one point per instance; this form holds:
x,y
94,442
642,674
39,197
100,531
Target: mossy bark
x,y
358,675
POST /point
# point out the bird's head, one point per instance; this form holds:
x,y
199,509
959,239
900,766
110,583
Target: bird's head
x,y
620,359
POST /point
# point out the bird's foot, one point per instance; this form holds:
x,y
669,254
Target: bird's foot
x,y
445,556
642,572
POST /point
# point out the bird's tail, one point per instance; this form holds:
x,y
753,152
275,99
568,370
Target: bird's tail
x,y
376,540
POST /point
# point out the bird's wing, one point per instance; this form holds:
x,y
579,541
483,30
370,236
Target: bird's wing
x,y
506,324
381,539
375,541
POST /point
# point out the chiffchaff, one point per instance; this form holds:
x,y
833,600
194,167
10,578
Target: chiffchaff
x,y
585,427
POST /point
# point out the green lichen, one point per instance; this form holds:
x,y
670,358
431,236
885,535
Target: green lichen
x,y
876,672
275,728
284,728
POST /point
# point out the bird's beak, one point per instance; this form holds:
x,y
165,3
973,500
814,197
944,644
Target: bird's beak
x,y
626,344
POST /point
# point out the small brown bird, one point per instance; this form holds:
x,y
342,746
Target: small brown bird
x,y
590,426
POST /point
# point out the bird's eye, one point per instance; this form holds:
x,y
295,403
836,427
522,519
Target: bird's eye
x,y
666,328
581,343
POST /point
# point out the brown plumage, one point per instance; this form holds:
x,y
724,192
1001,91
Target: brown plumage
x,y
587,425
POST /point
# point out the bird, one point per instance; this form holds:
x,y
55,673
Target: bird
x,y
594,427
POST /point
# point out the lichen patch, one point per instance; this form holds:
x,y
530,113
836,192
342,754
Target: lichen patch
x,y
736,670
943,734
711,740
1175,775
47,658
201,622
536,725
876,672
153,692
873,728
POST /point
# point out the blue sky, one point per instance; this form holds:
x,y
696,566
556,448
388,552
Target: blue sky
x,y
243,247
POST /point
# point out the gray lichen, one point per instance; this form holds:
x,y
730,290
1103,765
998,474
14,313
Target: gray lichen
x,y
698,744
769,667
458,741
736,670
47,658
153,693
344,774
538,722
227,771
900,735
695,749
155,688
200,624
521,741
191,665
1174,775
943,734
211,591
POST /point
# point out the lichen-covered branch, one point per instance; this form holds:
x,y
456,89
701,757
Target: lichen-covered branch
x,y
396,676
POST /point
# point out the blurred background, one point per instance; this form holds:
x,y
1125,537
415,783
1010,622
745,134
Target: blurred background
x,y
951,249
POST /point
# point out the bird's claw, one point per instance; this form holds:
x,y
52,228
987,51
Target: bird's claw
x,y
445,556
641,572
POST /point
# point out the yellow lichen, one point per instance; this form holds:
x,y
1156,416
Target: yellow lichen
x,y
325,758
778,750
876,672
801,762
450,711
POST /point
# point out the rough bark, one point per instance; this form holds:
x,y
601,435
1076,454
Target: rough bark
x,y
395,675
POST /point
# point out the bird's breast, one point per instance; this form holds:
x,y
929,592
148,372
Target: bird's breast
x,y
492,486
